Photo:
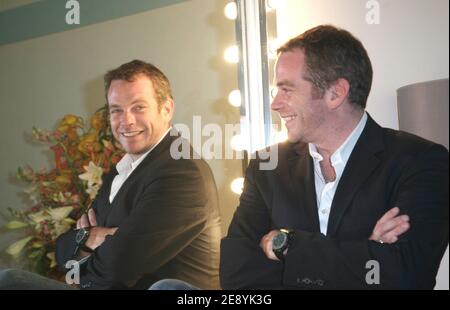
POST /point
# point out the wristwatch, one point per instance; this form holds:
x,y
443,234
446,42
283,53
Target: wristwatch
x,y
281,242
80,239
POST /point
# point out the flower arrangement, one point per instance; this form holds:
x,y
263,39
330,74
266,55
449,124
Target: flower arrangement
x,y
60,195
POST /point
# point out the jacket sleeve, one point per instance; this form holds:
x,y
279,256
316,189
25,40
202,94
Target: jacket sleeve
x,y
169,215
65,248
243,264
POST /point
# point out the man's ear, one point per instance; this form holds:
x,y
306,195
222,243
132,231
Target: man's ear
x,y
337,93
168,109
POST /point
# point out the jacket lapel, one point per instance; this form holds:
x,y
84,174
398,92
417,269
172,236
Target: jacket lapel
x,y
103,205
143,166
362,162
301,171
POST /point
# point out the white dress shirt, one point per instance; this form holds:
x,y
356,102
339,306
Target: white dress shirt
x,y
325,191
126,166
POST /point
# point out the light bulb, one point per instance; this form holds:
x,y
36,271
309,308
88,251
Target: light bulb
x,y
273,92
231,54
235,98
281,136
237,185
237,143
231,10
272,48
273,4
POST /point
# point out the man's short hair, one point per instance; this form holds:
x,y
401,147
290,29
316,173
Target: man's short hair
x,y
332,53
130,70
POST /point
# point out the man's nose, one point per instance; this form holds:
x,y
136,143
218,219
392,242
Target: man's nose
x,y
128,118
276,104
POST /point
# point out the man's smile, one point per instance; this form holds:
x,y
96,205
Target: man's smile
x,y
129,134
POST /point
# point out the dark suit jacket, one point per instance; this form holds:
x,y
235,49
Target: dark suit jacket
x,y
169,226
387,168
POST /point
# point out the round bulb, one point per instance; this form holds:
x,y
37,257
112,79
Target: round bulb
x,y
273,4
231,54
231,10
237,185
237,143
235,98
281,136
272,48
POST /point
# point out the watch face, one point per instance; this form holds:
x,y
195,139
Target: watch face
x,y
81,234
279,241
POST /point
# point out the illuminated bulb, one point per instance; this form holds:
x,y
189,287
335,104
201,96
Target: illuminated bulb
x,y
273,4
235,98
231,10
237,143
281,136
237,185
231,54
273,92
272,47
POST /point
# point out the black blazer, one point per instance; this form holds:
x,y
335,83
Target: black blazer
x,y
169,227
387,168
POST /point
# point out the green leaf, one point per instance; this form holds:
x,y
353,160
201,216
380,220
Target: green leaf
x,y
37,245
35,254
16,225
17,247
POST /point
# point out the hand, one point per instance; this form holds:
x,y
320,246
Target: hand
x,y
266,244
97,234
390,226
87,220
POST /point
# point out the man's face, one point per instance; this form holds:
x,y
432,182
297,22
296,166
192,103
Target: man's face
x,y
136,120
300,109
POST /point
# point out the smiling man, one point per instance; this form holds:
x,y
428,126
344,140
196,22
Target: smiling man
x,y
345,189
154,217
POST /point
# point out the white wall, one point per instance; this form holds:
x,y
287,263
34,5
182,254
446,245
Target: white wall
x,y
409,45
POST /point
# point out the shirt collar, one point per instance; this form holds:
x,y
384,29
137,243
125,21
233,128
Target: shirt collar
x,y
127,164
342,154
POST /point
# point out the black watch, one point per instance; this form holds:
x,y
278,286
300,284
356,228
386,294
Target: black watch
x,y
80,239
281,242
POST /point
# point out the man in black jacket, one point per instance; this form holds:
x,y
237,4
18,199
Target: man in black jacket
x,y
309,222
155,216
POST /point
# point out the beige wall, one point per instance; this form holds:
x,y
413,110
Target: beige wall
x,y
409,45
44,78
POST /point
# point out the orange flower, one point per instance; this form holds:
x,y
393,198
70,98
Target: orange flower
x,y
89,144
98,121
65,177
72,133
69,122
